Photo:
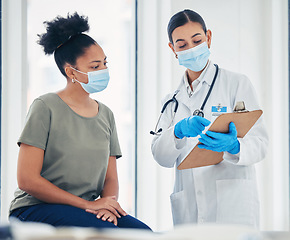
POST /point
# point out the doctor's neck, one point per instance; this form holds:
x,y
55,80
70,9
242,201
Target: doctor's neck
x,y
191,75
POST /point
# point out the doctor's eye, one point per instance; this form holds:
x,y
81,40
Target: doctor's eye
x,y
196,42
182,46
95,67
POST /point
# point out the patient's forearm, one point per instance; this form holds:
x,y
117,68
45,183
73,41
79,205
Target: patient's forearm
x,y
45,191
111,188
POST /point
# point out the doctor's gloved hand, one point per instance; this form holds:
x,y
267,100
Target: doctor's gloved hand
x,y
190,127
221,142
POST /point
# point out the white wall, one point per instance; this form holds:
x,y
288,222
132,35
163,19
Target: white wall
x,y
250,37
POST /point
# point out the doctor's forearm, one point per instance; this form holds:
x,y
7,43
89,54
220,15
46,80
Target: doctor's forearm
x,y
165,148
253,150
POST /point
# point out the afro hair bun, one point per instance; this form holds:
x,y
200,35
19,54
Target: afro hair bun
x,y
60,30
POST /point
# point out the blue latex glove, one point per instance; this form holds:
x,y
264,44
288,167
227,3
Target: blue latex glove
x,y
221,142
190,127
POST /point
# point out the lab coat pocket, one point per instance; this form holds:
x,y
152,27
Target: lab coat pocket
x,y
179,207
235,202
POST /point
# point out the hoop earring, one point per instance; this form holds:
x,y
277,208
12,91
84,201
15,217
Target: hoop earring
x,y
176,56
73,80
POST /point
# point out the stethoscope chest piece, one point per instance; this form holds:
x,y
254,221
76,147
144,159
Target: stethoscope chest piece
x,y
198,112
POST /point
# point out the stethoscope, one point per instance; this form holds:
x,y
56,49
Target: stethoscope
x,y
197,112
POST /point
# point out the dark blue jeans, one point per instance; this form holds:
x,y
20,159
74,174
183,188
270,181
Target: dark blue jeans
x,y
64,215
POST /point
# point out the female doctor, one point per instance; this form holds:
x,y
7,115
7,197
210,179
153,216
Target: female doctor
x,y
225,193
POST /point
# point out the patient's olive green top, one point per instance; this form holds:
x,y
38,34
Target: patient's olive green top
x,y
76,148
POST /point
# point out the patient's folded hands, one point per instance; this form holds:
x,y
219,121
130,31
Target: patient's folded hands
x,y
108,203
105,215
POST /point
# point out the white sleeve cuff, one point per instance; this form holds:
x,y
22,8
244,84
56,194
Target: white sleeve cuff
x,y
179,143
232,158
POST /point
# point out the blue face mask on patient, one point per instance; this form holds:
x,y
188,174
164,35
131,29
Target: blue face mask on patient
x,y
98,80
194,58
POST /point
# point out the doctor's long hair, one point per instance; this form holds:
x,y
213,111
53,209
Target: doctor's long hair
x,y
64,37
181,18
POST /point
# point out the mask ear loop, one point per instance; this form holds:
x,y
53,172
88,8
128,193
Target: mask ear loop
x,y
78,70
74,80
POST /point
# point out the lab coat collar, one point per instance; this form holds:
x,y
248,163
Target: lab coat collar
x,y
206,75
187,86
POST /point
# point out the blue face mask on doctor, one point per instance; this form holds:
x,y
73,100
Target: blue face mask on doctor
x,y
194,58
98,80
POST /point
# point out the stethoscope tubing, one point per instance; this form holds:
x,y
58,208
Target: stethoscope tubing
x,y
198,112
211,87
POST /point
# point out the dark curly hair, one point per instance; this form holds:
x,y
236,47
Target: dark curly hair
x,y
183,17
64,37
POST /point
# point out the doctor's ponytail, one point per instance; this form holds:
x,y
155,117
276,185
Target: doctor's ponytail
x,y
65,39
181,18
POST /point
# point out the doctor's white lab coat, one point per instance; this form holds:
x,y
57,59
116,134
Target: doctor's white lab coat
x,y
226,192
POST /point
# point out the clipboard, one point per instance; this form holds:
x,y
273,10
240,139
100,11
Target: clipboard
x,y
202,157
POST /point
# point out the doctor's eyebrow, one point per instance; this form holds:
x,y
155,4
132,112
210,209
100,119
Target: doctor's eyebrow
x,y
99,60
195,35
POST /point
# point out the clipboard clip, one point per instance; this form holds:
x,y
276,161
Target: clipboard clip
x,y
240,107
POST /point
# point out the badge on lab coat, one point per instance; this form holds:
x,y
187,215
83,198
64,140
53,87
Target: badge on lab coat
x,y
217,110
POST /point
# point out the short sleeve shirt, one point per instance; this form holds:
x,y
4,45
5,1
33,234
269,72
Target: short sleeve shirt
x,y
76,148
